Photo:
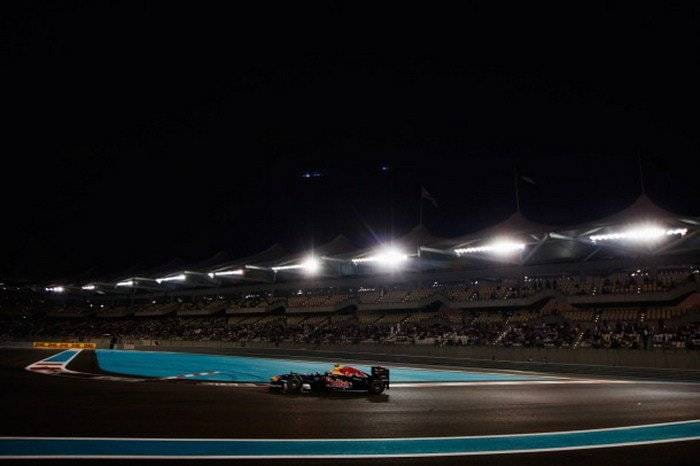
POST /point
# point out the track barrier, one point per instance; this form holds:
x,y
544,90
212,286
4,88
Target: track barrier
x,y
63,345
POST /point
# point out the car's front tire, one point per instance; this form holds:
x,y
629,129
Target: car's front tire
x,y
293,385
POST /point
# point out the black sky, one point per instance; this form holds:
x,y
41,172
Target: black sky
x,y
135,133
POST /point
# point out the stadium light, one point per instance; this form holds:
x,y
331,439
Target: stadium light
x,y
286,267
88,287
310,265
500,247
56,289
225,273
126,283
176,278
641,233
389,257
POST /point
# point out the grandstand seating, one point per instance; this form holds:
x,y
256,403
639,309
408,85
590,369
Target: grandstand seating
x,y
500,292
662,312
369,297
368,317
635,327
392,318
202,309
584,315
296,319
116,311
316,320
156,309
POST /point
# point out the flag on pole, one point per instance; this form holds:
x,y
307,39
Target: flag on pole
x,y
424,194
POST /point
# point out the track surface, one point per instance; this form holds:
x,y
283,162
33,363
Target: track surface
x,y
39,405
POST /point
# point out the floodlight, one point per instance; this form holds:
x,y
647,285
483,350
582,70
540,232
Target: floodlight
x,y
286,267
225,273
500,247
175,278
641,233
56,289
126,283
88,287
390,257
310,265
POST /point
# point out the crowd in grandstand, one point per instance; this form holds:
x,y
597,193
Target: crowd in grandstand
x,y
634,282
348,316
438,328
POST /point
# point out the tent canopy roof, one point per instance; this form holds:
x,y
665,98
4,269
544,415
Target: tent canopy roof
x,y
418,236
269,256
339,246
641,210
409,242
567,244
515,225
169,267
221,257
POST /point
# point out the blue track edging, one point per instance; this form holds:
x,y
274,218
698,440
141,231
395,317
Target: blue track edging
x,y
348,448
63,356
259,369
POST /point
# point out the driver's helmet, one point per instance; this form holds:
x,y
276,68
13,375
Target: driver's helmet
x,y
349,371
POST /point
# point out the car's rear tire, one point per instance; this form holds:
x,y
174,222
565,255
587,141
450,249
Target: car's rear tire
x,y
376,387
293,385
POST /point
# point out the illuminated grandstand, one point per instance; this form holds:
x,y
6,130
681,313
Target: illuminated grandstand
x,y
621,281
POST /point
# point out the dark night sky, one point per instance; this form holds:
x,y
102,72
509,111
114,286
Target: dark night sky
x,y
137,133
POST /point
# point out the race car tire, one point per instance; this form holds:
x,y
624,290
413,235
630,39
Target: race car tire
x,y
376,387
293,385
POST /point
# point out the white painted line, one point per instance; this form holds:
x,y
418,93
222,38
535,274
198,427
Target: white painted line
x,y
360,456
52,367
194,374
361,439
365,456
504,382
233,384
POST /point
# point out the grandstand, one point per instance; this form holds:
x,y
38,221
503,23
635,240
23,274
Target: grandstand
x,y
628,280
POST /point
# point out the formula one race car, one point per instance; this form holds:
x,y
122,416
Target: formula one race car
x,y
338,379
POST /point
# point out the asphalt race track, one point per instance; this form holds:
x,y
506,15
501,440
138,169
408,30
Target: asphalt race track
x,y
39,405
